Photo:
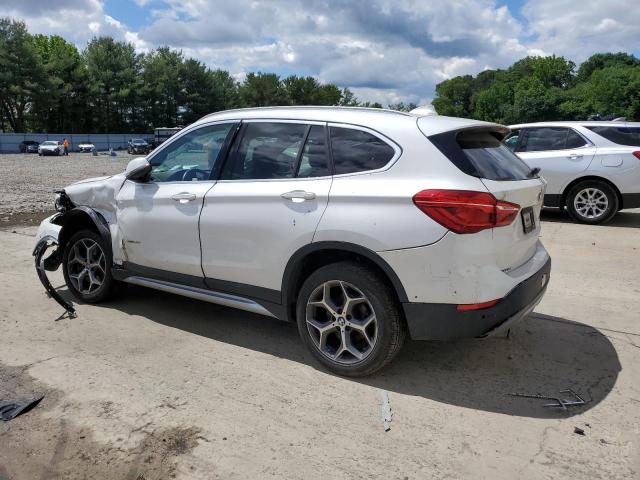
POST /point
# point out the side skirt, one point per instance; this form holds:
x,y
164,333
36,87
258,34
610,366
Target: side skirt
x,y
210,296
248,298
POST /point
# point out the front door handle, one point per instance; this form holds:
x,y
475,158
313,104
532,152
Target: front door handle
x,y
574,156
184,197
299,195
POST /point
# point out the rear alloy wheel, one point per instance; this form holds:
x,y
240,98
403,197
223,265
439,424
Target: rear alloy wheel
x,y
350,319
593,202
87,267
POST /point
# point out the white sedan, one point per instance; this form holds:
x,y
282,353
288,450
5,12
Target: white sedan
x,y
51,147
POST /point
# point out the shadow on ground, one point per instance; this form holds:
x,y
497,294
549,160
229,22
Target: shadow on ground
x,y
544,355
626,218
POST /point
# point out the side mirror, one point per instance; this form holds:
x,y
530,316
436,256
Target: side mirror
x,y
138,169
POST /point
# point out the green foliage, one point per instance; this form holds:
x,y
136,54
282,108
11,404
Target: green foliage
x,y
546,88
47,85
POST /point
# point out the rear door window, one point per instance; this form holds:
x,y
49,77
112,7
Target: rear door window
x,y
541,139
358,151
266,151
629,136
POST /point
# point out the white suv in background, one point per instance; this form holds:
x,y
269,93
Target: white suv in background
x,y
359,224
591,168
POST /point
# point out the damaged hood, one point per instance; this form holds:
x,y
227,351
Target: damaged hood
x,y
98,193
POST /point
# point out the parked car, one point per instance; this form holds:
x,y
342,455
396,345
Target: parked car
x,y
138,146
51,147
361,225
29,146
592,168
86,147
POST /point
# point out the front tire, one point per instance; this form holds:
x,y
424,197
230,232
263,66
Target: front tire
x,y
593,202
86,266
350,319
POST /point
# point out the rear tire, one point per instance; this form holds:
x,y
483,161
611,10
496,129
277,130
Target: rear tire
x,y
86,266
350,319
593,202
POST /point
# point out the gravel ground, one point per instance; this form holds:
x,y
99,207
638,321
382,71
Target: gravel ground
x,y
28,181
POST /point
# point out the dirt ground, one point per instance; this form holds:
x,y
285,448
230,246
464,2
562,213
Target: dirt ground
x,y
153,386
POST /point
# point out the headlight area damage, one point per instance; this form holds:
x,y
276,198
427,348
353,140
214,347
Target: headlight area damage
x,y
50,263
56,230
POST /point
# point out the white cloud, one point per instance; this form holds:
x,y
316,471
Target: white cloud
x,y
386,50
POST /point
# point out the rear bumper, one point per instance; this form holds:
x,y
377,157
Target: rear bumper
x,y
442,321
630,200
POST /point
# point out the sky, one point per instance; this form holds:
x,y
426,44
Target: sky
x,y
384,50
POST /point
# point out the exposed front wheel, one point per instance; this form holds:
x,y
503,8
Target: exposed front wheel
x,y
592,201
86,265
350,319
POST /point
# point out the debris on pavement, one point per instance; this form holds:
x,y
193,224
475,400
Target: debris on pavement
x,y
386,411
558,402
578,431
10,409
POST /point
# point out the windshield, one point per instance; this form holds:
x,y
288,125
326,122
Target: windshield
x,y
138,141
49,143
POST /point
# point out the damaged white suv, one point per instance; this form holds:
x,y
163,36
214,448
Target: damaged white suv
x,y
360,225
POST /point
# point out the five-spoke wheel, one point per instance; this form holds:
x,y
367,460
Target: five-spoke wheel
x,y
349,318
341,322
86,264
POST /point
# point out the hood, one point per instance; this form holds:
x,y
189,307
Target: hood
x,y
98,193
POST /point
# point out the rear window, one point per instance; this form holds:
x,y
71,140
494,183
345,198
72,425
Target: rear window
x,y
358,151
480,153
621,135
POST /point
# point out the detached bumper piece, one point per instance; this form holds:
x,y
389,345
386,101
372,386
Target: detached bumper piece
x,y
51,263
442,321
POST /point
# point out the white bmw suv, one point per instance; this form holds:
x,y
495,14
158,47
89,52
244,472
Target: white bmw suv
x,y
361,225
592,168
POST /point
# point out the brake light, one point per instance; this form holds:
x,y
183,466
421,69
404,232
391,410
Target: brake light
x,y
463,211
465,307
637,154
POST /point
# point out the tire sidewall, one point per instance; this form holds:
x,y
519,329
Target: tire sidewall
x,y
105,290
612,198
380,302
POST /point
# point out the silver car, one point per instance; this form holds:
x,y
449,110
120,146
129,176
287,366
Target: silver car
x,y
592,168
361,225
51,147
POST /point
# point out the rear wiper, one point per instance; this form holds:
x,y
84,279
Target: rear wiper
x,y
534,173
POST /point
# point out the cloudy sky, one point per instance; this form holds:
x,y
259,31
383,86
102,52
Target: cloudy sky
x,y
385,50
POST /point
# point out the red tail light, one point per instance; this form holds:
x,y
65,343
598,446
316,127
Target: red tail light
x,y
637,154
462,211
465,307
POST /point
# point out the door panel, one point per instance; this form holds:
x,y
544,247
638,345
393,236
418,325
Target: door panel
x,y
559,152
159,224
249,230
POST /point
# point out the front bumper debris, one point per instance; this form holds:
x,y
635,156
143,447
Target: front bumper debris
x,y
51,263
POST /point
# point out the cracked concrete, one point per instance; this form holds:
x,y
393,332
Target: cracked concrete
x,y
152,386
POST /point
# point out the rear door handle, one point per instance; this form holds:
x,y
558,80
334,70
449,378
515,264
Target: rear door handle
x,y
574,156
184,197
299,195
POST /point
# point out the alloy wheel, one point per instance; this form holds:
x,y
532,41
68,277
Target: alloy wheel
x,y
86,266
341,322
591,203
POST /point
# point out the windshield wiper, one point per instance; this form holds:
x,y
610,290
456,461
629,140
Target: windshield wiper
x,y
534,173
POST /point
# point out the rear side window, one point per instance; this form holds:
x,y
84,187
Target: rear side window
x,y
541,139
621,135
358,151
480,153
266,150
490,158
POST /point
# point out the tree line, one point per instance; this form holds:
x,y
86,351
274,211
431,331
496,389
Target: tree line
x,y
535,89
47,85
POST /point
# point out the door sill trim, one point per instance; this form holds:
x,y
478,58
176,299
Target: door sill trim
x,y
206,295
